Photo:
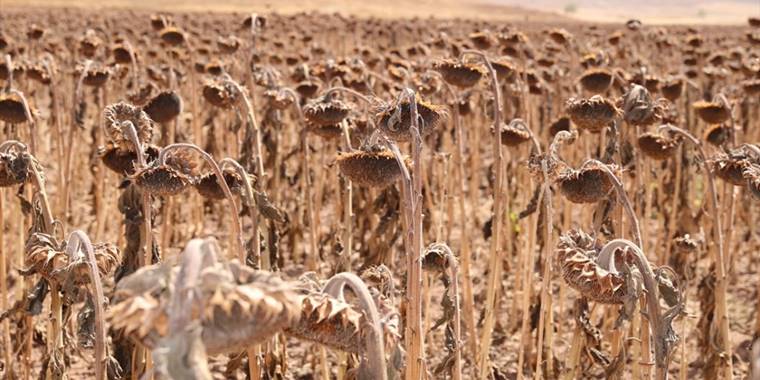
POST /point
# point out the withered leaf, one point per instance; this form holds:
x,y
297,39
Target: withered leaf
x,y
268,209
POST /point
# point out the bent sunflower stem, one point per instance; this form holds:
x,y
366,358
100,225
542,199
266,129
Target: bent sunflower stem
x,y
220,181
721,312
497,217
78,240
374,346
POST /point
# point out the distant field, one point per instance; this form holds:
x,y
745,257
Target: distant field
x,y
649,11
652,11
386,9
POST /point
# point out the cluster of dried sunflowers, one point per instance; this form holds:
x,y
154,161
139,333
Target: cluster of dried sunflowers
x,y
420,198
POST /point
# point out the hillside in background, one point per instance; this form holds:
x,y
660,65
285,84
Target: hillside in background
x,y
651,11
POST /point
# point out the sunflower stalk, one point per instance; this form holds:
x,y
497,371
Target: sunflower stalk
x,y
623,196
313,232
660,323
79,240
721,319
546,320
130,133
374,368
220,181
465,240
412,205
249,195
497,215
77,116
451,279
6,329
254,367
182,354
38,180
347,206
254,129
356,94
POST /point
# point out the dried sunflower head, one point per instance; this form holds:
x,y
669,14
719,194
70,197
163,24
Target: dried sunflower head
x,y
577,254
172,36
164,107
596,80
220,93
43,255
139,305
651,83
718,134
238,307
657,146
116,114
592,60
752,174
97,75
13,109
89,43
307,88
5,41
163,179
330,322
751,86
14,168
554,168
614,38
686,243
672,88
326,111
505,68
730,167
229,44
329,132
246,311
714,112
482,40
436,258
427,84
459,74
396,121
560,36
513,38
589,184
639,108
208,186
142,95
593,114
278,98
214,68
77,270
514,133
561,124
40,73
123,161
18,69
370,166
122,53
